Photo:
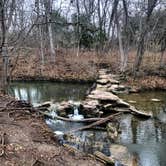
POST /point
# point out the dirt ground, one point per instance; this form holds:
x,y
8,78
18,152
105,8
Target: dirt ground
x,y
25,140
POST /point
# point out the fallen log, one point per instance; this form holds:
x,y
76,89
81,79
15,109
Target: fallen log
x,y
2,144
99,122
103,158
13,108
140,113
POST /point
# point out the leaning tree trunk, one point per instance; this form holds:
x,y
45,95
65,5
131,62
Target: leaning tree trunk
x,y
163,49
162,63
123,54
140,53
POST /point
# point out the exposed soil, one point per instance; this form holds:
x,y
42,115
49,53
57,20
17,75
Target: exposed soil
x,y
26,140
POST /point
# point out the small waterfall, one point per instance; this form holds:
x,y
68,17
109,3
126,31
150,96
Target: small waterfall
x,y
76,115
76,111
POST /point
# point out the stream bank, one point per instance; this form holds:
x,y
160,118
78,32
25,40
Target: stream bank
x,y
26,140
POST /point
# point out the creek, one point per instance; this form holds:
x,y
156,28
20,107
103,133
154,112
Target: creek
x,y
144,138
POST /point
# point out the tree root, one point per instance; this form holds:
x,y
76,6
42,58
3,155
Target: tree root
x,y
99,122
2,144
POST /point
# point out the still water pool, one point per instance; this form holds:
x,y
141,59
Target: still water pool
x,y
37,92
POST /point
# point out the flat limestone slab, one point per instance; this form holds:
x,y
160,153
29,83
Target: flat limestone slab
x,y
140,113
103,81
102,95
90,104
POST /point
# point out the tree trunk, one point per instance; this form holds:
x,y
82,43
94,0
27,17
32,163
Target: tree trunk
x,y
41,45
162,63
39,28
52,49
4,47
140,53
78,27
123,54
143,34
48,9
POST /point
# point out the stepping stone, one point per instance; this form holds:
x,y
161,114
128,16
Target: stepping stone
x,y
121,103
90,104
113,81
103,81
101,95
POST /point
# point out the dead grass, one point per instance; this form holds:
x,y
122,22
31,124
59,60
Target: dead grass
x,y
68,66
147,83
150,65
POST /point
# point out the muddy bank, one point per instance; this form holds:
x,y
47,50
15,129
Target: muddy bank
x,y
26,140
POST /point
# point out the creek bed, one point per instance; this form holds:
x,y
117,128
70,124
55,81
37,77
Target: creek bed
x,y
144,138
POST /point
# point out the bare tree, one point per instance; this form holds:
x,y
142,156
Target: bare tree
x,y
6,13
143,34
123,55
39,28
48,11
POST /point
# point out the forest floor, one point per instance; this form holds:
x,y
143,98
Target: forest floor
x,y
26,140
84,68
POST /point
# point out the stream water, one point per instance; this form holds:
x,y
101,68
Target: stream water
x,y
145,138
38,92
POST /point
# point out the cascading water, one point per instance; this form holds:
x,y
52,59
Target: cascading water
x,y
76,115
62,126
53,113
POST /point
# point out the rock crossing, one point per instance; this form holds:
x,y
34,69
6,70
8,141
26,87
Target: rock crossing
x,y
102,99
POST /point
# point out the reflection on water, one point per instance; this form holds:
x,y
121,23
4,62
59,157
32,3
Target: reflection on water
x,y
88,141
37,92
146,138
144,101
